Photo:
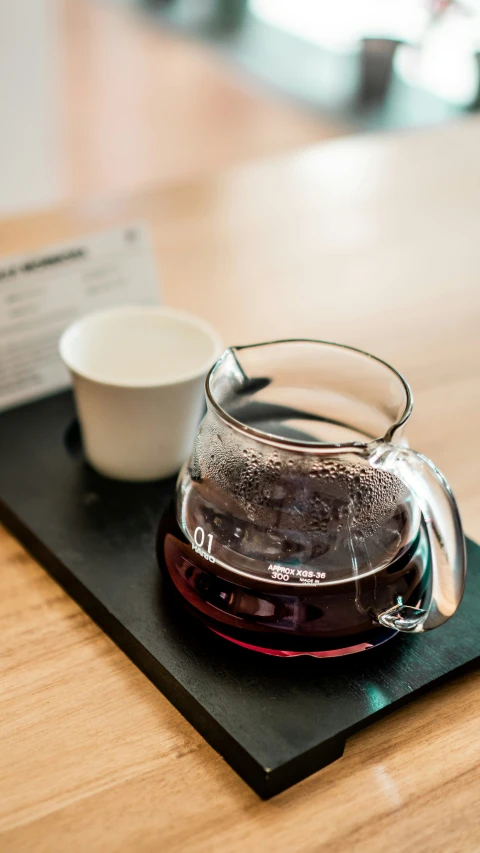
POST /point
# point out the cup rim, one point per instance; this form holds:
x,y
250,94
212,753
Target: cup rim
x,y
311,446
189,319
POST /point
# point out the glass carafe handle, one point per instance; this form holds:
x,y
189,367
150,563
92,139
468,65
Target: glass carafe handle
x,y
445,538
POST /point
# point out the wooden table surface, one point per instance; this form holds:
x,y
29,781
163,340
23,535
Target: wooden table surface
x,y
115,104
373,241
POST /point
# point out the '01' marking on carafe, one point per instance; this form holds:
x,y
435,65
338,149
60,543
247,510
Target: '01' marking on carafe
x,y
198,543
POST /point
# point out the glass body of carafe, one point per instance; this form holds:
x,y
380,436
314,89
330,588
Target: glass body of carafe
x,y
303,522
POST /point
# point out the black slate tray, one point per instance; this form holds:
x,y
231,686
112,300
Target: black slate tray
x,y
274,720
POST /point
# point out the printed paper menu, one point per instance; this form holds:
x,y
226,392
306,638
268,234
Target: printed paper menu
x,y
43,292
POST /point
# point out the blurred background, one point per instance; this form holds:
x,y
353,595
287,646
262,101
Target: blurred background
x,y
101,97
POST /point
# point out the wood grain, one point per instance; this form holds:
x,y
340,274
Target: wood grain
x,y
139,105
371,241
111,102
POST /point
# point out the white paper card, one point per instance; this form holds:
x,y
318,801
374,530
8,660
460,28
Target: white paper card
x,y
42,293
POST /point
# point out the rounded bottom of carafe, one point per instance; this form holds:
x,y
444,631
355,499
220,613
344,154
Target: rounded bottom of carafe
x,y
314,622
326,653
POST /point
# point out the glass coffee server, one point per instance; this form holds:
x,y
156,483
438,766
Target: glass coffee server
x,y
303,523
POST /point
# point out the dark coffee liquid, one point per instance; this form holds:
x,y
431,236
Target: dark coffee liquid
x,y
323,620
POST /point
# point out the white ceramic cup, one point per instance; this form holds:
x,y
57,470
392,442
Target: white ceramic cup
x,y
138,378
